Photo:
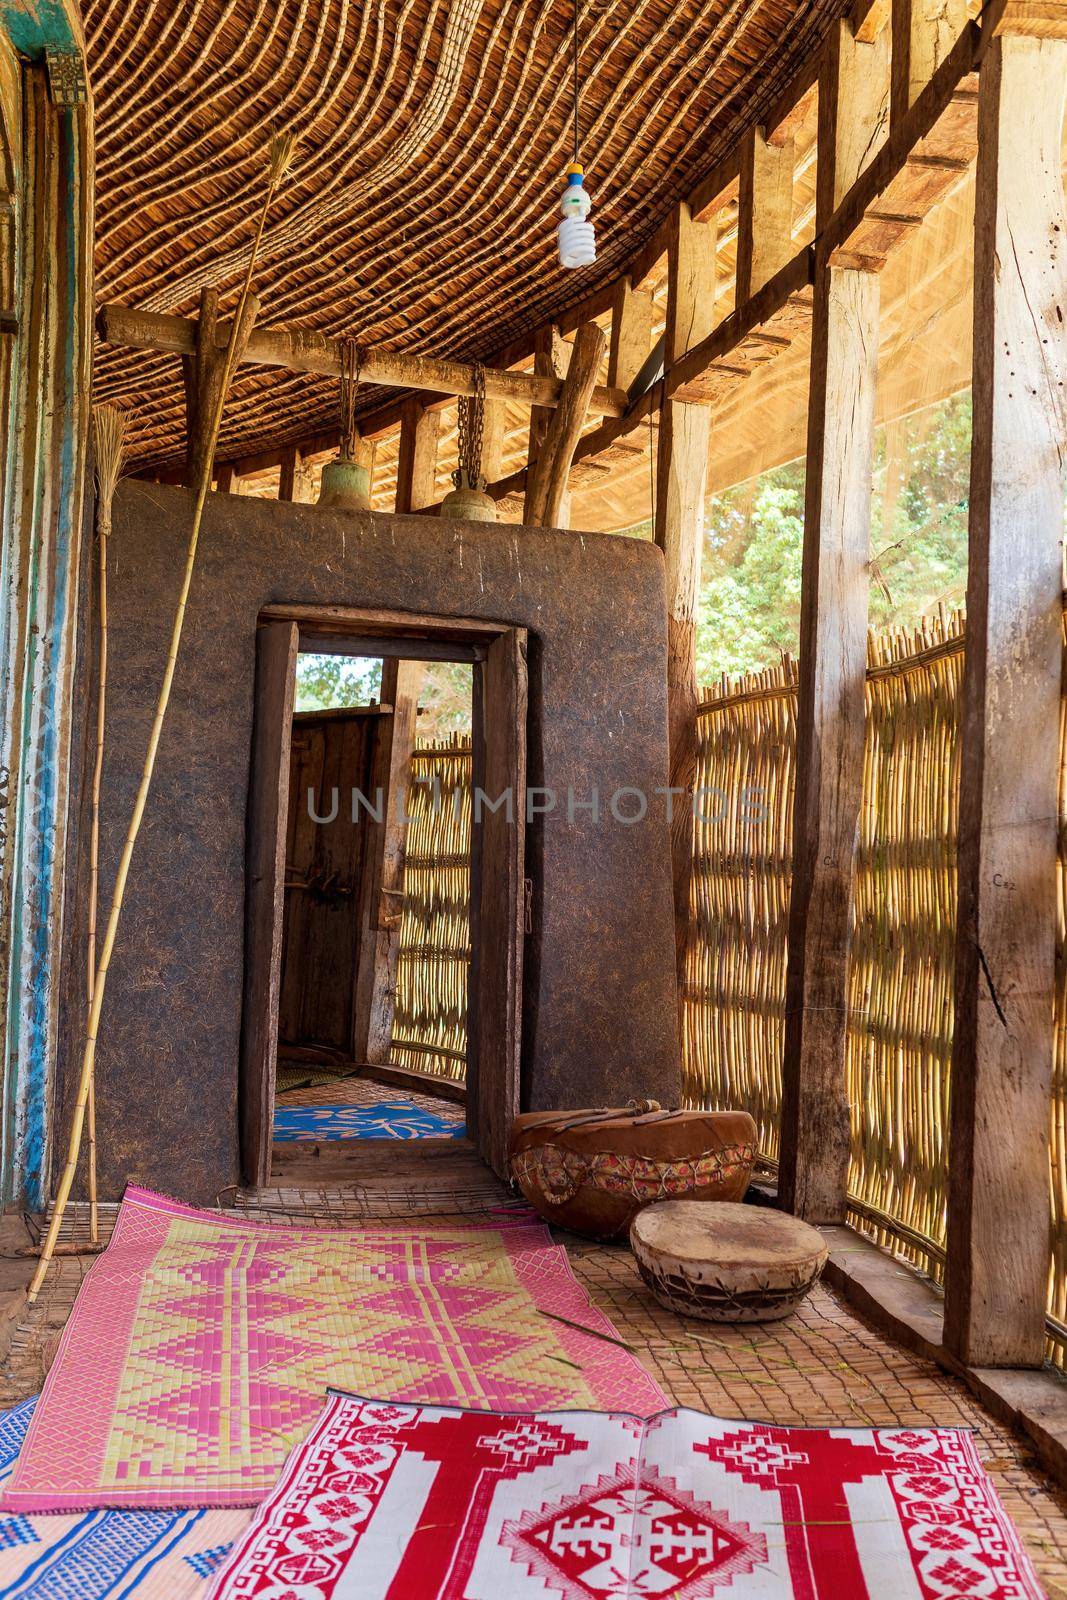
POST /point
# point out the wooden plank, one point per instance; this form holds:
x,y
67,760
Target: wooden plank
x,y
382,899
304,350
500,843
631,334
416,467
830,741
547,482
1006,926
277,645
765,212
681,479
204,369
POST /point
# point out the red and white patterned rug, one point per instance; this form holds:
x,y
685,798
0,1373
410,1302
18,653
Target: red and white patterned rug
x,y
413,1502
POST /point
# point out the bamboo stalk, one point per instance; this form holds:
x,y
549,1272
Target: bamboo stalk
x,y
280,156
109,428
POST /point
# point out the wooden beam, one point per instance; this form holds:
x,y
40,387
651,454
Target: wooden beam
x,y
997,1263
681,479
631,334
494,438
382,892
303,350
923,35
831,690
416,468
765,212
225,479
547,483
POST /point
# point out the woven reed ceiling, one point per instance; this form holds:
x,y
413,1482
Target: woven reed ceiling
x,y
422,205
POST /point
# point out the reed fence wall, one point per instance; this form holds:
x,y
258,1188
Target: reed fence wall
x,y
430,1016
901,965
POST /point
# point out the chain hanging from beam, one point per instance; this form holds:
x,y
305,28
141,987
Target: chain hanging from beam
x,y
468,473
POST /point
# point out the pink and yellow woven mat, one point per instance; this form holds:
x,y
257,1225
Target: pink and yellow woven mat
x,y
200,1347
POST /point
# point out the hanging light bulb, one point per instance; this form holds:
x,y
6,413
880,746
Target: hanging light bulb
x,y
577,241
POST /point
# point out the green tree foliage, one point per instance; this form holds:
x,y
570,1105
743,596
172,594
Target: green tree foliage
x,y
750,595
325,682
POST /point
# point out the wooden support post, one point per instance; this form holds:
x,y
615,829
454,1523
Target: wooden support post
x,y
813,1170
203,373
681,481
290,474
226,479
998,1212
417,465
856,73
494,429
551,354
765,212
631,334
382,905
547,479
923,33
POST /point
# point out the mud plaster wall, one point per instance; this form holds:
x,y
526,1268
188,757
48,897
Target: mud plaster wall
x,y
599,1004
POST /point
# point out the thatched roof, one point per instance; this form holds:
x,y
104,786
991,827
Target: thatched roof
x,y
422,206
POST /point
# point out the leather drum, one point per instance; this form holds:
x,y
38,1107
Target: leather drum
x,y
727,1263
592,1171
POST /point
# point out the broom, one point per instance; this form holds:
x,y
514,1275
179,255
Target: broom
x,y
281,154
109,432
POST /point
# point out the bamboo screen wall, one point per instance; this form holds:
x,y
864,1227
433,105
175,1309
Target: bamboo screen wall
x,y
430,1019
902,956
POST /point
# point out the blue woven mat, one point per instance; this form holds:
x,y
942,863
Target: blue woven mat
x,y
399,1119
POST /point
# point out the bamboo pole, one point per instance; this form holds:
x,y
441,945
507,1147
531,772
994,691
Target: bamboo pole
x,y
280,155
109,430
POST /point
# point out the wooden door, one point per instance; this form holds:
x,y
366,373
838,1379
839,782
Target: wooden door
x,y
332,754
277,645
500,846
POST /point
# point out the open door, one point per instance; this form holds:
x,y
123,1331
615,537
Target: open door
x,y
500,910
277,645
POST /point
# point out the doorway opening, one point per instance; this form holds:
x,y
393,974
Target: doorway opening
x,y
372,1018
385,900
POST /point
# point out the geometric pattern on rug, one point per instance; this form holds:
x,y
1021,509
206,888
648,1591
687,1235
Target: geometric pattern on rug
x,y
200,1347
392,1502
106,1555
392,1119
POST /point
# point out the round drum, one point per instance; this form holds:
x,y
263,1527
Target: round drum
x,y
592,1171
727,1263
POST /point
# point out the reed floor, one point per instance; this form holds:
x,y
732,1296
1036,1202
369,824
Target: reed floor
x,y
823,1367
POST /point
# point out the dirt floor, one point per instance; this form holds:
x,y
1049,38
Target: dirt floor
x,y
822,1367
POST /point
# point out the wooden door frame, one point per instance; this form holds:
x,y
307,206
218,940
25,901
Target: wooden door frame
x,y
493,1077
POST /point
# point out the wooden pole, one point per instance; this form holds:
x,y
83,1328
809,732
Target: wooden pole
x,y
417,464
681,481
998,1210
813,1169
765,212
631,334
548,476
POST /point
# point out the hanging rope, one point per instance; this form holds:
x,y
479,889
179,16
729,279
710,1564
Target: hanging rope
x,y
575,75
471,435
351,367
